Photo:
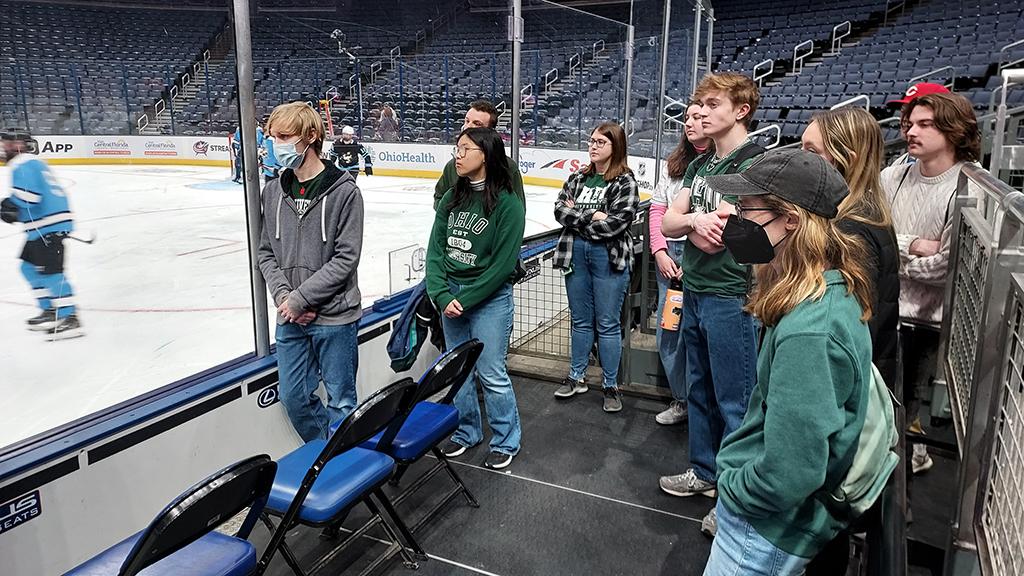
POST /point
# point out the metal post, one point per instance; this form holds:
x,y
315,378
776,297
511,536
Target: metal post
x,y
24,100
629,68
494,80
711,30
280,85
170,97
515,36
662,87
579,102
78,97
447,105
536,96
247,113
209,99
124,91
698,13
401,99
359,91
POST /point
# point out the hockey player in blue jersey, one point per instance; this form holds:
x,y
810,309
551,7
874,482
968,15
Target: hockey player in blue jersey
x,y
345,154
39,203
268,160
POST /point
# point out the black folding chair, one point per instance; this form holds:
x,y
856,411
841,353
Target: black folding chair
x,y
181,541
429,424
318,483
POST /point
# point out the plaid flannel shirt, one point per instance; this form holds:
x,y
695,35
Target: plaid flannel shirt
x,y
622,198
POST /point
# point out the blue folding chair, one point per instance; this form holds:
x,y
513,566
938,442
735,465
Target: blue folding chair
x,y
429,424
180,540
318,483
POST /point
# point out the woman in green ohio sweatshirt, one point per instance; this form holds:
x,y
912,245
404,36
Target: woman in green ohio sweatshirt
x,y
471,259
806,412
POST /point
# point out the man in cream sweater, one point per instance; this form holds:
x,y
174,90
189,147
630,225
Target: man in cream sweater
x,y
942,134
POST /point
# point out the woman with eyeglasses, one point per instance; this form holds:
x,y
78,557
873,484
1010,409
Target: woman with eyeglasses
x,y
777,472
597,206
471,259
668,253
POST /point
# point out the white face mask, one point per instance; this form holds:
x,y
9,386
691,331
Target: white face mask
x,y
287,156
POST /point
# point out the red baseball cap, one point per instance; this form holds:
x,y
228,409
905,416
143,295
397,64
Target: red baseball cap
x,y
919,89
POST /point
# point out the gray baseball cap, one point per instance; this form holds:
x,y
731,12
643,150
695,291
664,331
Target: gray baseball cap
x,y
800,177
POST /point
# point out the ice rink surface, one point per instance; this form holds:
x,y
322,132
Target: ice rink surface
x,y
164,291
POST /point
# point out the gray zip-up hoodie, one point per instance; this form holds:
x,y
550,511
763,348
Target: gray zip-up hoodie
x,y
312,259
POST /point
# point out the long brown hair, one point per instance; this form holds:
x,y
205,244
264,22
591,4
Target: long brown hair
x,y
617,165
684,153
796,273
854,141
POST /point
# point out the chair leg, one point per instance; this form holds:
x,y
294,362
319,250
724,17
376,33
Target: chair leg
x,y
286,551
402,468
456,478
407,558
399,523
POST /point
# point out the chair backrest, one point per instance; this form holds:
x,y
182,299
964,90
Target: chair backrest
x,y
202,508
451,369
388,404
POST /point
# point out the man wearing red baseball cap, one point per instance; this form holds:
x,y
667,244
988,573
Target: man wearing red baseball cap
x,y
919,89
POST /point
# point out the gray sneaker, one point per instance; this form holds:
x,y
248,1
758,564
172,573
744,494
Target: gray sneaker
x,y
570,387
920,462
687,484
674,414
612,400
709,524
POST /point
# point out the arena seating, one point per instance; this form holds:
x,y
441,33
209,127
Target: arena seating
x,y
113,64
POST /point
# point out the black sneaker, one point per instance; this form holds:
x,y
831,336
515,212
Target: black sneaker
x,y
44,321
66,328
612,400
452,449
497,460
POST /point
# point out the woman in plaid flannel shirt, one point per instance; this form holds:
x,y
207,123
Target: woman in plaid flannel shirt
x,y
597,206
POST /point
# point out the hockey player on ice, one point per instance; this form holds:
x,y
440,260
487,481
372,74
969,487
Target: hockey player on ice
x,y
38,202
346,152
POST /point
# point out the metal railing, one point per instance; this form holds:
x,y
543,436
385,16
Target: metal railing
x,y
931,73
1004,61
763,69
985,256
766,130
840,31
550,77
893,5
798,56
597,48
851,101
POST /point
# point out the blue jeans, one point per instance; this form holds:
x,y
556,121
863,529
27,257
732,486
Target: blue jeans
x,y
52,291
305,356
595,293
738,550
670,344
721,362
489,322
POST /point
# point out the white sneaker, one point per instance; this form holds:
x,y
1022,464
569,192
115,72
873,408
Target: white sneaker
x,y
674,414
920,461
709,524
687,484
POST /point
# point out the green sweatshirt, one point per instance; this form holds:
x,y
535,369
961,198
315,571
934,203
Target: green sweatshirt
x,y
805,412
474,249
449,176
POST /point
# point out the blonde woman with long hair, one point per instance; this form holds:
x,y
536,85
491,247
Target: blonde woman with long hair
x,y
807,409
850,140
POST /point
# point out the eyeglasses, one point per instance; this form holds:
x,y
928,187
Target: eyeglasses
x,y
597,143
461,151
740,210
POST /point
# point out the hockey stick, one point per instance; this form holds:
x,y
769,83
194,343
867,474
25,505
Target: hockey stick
x,y
84,240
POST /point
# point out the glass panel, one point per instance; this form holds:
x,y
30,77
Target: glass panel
x,y
137,236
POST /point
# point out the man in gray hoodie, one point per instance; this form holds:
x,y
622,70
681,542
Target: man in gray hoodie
x,y
309,253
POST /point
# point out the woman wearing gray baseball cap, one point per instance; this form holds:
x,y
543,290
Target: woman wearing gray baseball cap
x,y
813,296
